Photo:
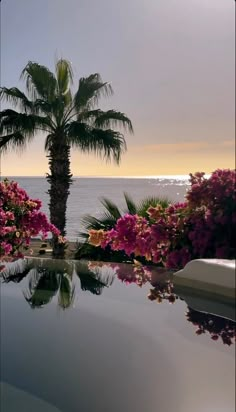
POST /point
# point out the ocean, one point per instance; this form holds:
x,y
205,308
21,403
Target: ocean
x,y
86,192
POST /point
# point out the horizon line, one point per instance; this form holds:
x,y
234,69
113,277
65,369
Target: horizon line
x,y
183,176
105,176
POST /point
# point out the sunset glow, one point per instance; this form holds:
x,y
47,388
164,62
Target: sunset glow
x,y
172,69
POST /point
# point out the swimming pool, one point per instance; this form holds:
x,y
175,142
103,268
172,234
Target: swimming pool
x,y
90,336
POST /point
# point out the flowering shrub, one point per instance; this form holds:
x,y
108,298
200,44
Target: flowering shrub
x,y
212,225
202,227
20,219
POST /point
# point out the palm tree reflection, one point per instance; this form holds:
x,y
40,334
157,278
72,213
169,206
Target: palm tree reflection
x,y
94,277
14,271
49,280
66,294
44,285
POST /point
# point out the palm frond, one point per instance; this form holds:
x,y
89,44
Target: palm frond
x,y
15,141
88,116
64,75
67,98
131,206
112,118
17,129
91,222
16,98
11,121
105,222
111,208
108,144
104,143
90,89
40,81
43,106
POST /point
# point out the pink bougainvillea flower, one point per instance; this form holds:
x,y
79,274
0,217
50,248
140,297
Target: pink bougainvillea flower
x,y
20,219
201,227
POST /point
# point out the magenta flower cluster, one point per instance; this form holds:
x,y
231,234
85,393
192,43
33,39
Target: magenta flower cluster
x,y
20,219
202,227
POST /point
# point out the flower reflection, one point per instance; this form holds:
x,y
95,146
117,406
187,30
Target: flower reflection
x,y
126,273
163,291
218,327
46,280
137,274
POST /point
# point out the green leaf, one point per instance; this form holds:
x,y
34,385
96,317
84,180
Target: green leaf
x,y
112,118
40,81
17,129
111,207
131,206
16,98
64,76
90,89
105,143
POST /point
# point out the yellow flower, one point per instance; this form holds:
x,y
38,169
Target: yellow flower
x,y
61,239
17,234
148,256
31,203
155,212
96,237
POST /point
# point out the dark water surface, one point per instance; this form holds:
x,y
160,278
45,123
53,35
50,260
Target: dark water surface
x,y
91,337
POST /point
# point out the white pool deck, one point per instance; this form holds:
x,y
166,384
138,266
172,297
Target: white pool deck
x,y
213,276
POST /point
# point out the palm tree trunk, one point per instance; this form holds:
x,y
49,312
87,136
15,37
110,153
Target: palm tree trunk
x,y
59,180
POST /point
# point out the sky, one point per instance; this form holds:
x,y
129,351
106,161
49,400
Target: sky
x,y
171,65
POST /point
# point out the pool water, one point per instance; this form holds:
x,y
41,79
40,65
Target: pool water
x,y
101,337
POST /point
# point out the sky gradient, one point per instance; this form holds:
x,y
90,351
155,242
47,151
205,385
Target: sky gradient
x,y
171,64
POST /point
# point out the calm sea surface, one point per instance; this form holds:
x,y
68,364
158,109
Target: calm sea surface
x,y
85,194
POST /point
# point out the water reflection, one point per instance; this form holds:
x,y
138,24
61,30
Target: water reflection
x,y
218,327
44,285
94,277
48,280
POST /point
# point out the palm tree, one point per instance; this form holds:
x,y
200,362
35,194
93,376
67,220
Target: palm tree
x,y
68,120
